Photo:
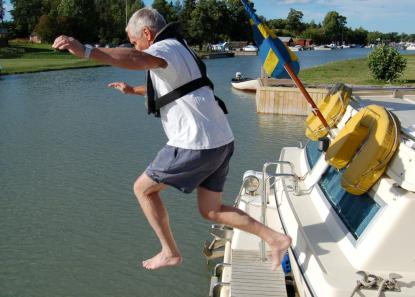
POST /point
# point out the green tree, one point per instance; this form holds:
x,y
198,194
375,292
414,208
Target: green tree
x,y
83,14
134,6
374,37
334,25
294,21
386,63
358,36
316,34
277,24
208,21
2,10
185,16
26,15
238,27
47,28
111,21
165,9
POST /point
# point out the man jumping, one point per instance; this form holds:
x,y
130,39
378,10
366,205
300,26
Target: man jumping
x,y
200,140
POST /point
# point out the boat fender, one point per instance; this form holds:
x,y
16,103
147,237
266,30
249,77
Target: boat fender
x,y
332,107
364,146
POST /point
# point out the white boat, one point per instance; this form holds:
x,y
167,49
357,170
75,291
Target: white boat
x,y
343,244
296,48
244,83
411,47
323,48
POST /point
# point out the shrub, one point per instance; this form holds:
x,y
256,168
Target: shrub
x,y
386,63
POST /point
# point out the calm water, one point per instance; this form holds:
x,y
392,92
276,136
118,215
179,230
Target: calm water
x,y
70,149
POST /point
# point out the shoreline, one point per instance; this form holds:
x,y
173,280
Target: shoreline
x,y
353,72
51,69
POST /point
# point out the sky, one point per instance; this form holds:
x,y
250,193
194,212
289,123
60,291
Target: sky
x,y
373,15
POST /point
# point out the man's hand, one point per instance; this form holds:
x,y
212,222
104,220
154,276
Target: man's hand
x,y
71,44
122,87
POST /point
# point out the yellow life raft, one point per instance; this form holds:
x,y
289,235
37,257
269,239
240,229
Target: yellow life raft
x,y
377,133
332,107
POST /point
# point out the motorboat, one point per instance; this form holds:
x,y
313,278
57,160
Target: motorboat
x,y
347,199
323,48
250,48
242,83
411,47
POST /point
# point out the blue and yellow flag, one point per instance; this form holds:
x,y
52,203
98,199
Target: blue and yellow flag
x,y
273,53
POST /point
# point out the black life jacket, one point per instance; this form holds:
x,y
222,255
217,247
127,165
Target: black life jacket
x,y
153,104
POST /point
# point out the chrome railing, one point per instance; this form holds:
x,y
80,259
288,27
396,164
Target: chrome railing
x,y
265,179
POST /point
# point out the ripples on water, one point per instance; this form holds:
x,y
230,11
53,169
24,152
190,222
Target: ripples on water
x,y
70,150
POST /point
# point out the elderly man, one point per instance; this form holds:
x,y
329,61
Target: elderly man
x,y
200,140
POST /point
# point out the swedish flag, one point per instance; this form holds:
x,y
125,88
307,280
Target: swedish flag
x,y
272,52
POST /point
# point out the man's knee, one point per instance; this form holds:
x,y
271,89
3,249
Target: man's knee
x,y
138,187
210,214
145,186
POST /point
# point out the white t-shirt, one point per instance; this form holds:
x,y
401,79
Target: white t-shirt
x,y
194,121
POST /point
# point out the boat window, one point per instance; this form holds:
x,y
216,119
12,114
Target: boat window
x,y
313,154
356,212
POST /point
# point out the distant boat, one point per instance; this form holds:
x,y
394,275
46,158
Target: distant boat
x,y
411,47
250,48
244,83
322,48
296,48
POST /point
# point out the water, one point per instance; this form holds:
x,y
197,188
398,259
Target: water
x,y
70,150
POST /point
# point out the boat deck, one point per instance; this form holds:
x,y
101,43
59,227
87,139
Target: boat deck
x,y
403,107
253,278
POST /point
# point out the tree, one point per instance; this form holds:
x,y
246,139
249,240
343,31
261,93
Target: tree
x,y
111,21
374,37
47,28
316,34
82,12
386,63
294,23
26,15
134,6
358,36
165,9
184,17
238,27
277,24
208,21
2,10
334,25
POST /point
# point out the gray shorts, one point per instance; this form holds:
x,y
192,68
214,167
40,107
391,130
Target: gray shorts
x,y
187,169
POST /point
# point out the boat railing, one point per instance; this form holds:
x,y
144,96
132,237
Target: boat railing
x,y
239,196
266,177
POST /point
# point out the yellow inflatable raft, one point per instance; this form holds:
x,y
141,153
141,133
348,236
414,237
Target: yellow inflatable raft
x,y
366,144
332,107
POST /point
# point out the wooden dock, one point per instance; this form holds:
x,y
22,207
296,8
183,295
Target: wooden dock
x,y
253,278
282,97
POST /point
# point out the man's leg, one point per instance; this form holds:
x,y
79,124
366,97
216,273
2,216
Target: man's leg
x,y
147,192
211,208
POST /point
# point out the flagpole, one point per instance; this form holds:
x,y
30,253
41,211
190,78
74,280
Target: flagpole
x,y
307,96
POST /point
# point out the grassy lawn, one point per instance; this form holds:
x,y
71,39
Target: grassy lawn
x,y
25,57
354,72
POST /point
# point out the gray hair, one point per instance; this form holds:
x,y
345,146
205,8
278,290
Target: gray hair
x,y
145,17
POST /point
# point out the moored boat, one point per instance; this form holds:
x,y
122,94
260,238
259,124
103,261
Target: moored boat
x,y
244,83
351,228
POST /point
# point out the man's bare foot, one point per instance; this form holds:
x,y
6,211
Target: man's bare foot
x,y
162,260
279,246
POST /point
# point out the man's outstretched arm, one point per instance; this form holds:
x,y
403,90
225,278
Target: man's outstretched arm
x,y
127,58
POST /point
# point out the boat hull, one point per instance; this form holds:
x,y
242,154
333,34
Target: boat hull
x,y
249,85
